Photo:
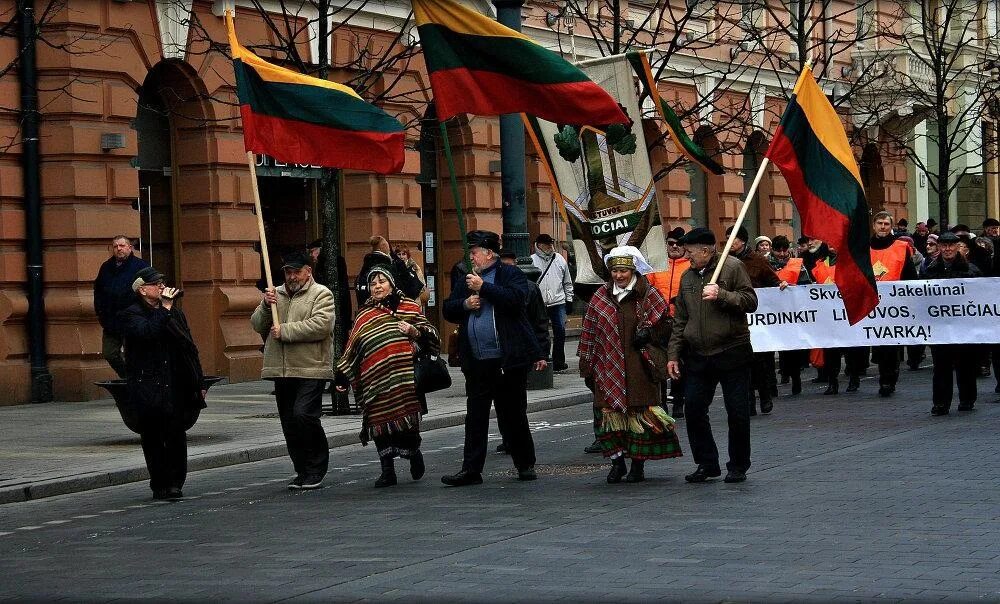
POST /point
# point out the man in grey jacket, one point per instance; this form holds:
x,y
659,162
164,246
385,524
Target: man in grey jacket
x,y
710,344
297,358
556,285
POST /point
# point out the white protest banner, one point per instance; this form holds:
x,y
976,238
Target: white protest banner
x,y
939,311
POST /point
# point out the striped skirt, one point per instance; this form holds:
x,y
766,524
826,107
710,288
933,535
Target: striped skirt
x,y
639,433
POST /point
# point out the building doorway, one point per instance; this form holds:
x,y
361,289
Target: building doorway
x,y
155,203
292,216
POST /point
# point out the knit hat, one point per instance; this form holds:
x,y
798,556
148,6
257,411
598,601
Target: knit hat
x,y
757,241
741,234
384,270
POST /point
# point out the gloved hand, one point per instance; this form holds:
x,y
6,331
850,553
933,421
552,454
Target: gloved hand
x,y
641,338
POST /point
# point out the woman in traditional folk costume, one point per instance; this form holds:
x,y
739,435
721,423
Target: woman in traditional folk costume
x,y
378,362
625,320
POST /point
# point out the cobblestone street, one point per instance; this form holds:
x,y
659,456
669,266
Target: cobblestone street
x,y
850,498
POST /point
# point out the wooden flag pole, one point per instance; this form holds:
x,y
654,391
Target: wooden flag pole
x,y
739,219
260,231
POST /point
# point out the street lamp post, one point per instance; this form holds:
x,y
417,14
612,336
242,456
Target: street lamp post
x,y
515,210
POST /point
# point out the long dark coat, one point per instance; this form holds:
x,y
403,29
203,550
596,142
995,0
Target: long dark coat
x,y
164,371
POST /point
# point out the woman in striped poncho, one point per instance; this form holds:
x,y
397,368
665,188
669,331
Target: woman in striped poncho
x,y
378,363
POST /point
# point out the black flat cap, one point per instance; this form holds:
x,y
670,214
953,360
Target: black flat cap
x,y
960,228
698,235
149,275
545,238
947,237
488,240
295,260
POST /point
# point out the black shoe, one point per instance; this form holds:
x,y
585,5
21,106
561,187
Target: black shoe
x,y
296,483
702,474
618,471
594,447
417,467
502,448
784,380
311,483
160,494
913,367
885,390
527,473
766,407
463,479
796,385
833,387
966,406
636,473
853,383
386,479
560,368
678,411
939,410
735,476
819,379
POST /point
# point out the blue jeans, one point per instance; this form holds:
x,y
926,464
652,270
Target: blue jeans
x,y
557,317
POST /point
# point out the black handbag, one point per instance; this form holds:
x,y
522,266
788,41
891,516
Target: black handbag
x,y
430,373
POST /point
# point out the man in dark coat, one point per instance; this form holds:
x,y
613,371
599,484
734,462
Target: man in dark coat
x,y
165,379
961,360
113,294
498,347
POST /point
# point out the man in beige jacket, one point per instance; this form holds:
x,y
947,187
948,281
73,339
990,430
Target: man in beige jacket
x,y
297,358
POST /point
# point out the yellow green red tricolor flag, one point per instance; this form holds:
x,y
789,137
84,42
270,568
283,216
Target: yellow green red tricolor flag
x,y
479,66
299,119
812,151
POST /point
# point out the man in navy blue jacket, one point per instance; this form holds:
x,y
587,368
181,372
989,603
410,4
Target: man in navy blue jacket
x,y
498,347
113,294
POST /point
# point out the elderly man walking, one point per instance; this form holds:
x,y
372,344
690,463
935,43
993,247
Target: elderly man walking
x,y
297,358
498,347
710,327
113,294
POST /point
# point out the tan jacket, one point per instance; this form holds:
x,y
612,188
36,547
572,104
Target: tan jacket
x,y
710,327
306,334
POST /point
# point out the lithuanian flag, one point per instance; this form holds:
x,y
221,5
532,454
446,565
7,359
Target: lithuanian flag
x,y
811,149
299,119
687,147
478,66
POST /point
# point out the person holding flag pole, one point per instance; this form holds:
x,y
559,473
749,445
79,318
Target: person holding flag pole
x,y
811,149
300,119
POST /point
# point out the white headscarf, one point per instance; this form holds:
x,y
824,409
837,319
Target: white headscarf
x,y
630,250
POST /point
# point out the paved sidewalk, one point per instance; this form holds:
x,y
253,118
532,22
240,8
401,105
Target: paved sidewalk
x,y
59,448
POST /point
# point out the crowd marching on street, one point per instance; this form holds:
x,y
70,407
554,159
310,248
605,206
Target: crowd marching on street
x,y
654,346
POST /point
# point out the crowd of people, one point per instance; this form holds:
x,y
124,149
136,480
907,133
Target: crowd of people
x,y
654,346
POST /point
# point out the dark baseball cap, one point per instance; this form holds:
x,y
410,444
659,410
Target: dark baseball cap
x,y
488,240
295,260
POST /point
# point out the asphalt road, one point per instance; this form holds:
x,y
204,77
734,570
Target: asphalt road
x,y
850,498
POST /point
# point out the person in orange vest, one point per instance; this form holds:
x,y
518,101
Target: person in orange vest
x,y
891,262
668,282
789,270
